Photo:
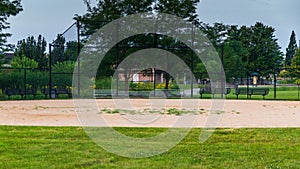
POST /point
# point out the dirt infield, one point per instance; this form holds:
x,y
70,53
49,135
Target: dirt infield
x,y
236,113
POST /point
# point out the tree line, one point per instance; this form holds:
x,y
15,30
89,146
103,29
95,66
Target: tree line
x,y
243,49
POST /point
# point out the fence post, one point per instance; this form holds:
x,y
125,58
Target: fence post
x,y
25,79
192,64
78,58
275,85
298,83
50,71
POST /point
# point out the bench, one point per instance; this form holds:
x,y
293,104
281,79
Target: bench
x,y
251,91
22,93
166,93
102,93
171,93
108,93
45,91
214,91
57,92
137,94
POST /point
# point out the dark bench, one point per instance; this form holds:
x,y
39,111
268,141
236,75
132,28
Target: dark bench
x,y
214,91
167,93
20,92
108,93
63,91
102,93
45,91
57,92
251,91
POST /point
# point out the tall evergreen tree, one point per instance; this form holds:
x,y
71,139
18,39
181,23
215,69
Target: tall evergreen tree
x,y
290,50
7,8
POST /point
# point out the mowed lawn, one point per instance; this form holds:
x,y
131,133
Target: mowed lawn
x,y
70,147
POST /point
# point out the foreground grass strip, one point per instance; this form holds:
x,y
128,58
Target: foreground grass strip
x,y
70,147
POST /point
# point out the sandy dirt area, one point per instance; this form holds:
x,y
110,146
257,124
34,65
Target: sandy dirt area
x,y
228,114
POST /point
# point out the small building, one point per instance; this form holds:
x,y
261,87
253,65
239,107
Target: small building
x,y
149,76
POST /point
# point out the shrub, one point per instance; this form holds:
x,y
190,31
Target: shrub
x,y
103,83
141,86
171,86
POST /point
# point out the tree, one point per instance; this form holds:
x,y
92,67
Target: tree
x,y
71,52
64,67
184,9
265,55
64,51
33,49
216,33
23,62
246,49
290,50
8,8
109,10
65,70
295,64
229,41
58,50
106,11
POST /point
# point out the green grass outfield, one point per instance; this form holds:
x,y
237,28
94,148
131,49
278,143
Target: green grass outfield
x,y
70,147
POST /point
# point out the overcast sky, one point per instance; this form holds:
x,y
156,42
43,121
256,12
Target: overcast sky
x,y
50,17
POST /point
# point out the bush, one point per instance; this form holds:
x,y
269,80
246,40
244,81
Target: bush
x,y
163,86
103,83
288,81
12,79
15,79
141,86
